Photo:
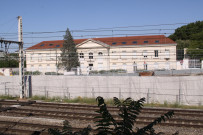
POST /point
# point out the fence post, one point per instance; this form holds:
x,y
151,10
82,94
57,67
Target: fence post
x,y
45,92
5,89
148,96
177,99
180,96
30,86
119,93
93,93
67,93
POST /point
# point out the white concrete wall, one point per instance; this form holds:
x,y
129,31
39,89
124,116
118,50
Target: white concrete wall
x,y
160,89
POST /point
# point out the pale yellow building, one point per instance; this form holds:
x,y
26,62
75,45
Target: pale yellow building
x,y
128,53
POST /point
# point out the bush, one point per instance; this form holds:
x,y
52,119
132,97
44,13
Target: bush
x,y
108,71
33,73
107,125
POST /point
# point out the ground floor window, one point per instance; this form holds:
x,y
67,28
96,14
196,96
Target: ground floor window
x,y
90,66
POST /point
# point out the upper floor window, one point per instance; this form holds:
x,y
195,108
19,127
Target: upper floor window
x,y
134,54
47,57
39,57
156,53
42,45
167,54
114,43
90,55
32,56
123,42
100,53
57,45
81,55
145,41
156,41
50,44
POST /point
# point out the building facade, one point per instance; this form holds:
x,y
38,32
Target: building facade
x,y
127,53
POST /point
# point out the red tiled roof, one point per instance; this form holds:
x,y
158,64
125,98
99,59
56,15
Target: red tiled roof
x,y
112,41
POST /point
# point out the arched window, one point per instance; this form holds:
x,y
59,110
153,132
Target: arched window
x,y
90,55
81,55
100,53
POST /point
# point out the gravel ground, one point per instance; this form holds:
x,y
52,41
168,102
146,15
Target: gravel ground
x,y
82,124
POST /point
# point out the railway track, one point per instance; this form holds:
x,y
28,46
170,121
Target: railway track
x,y
79,112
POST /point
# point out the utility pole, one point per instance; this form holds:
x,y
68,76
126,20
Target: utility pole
x,y
21,56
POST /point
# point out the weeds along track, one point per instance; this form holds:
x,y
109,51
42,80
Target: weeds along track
x,y
26,117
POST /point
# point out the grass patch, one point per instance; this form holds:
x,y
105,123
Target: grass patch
x,y
43,98
82,100
92,101
8,97
173,105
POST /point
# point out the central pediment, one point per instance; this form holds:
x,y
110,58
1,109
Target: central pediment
x,y
91,43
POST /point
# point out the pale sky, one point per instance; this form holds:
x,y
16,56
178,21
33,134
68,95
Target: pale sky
x,y
117,15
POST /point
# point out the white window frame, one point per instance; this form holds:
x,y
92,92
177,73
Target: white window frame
x,y
134,54
91,55
167,53
156,53
124,54
145,53
39,57
81,55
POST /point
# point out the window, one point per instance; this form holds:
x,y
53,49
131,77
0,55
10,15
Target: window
x,y
32,68
123,54
90,66
155,53
167,65
50,44
31,57
57,45
124,66
134,67
114,55
90,55
156,65
146,41
167,54
145,66
145,53
42,45
114,66
114,43
100,53
156,41
39,57
134,54
100,66
48,57
81,55
134,42
123,42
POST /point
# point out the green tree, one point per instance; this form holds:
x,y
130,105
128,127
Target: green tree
x,y
181,44
191,37
9,61
69,56
186,32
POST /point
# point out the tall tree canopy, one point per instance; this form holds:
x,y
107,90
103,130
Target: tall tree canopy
x,y
69,56
189,36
